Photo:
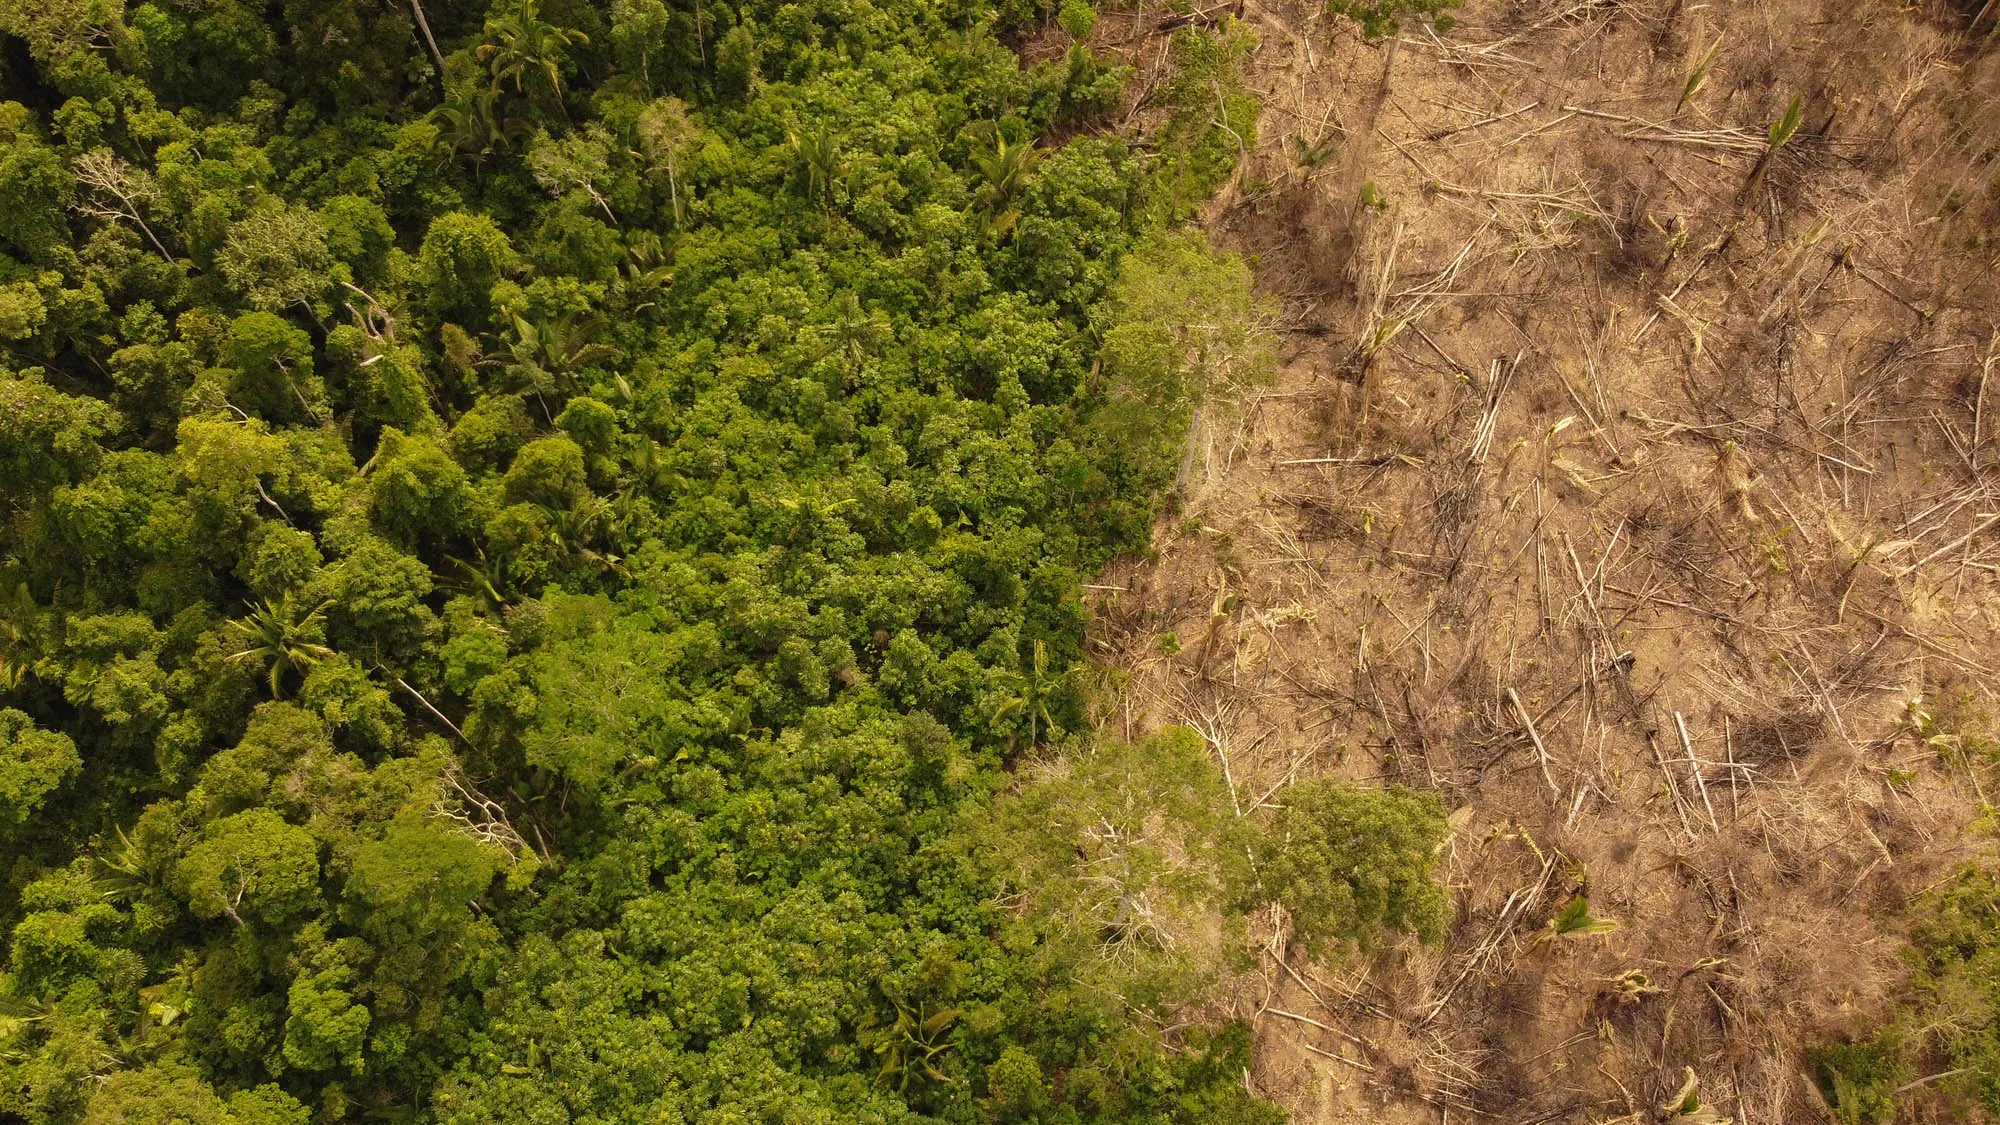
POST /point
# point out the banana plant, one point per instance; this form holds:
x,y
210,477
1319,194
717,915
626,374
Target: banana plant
x,y
1574,921
472,121
1698,77
482,576
1031,694
1777,137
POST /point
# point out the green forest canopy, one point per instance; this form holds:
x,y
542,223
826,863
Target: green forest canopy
x,y
533,535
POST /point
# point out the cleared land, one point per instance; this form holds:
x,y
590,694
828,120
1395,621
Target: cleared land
x,y
1661,487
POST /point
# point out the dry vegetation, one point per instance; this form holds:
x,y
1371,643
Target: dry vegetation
x,y
1661,479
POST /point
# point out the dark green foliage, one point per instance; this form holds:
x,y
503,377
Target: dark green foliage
x,y
527,563
1859,1080
1950,1025
34,188
33,764
1956,975
1212,117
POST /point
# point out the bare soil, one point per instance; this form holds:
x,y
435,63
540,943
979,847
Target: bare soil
x,y
1622,495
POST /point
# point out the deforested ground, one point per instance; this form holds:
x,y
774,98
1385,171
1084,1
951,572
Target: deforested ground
x,y
1627,479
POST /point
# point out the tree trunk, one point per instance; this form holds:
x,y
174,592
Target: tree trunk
x,y
1359,148
424,25
1185,478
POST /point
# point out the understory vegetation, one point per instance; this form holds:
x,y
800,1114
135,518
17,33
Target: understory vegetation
x,y
540,562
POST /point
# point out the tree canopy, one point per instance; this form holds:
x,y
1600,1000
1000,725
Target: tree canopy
x,y
536,536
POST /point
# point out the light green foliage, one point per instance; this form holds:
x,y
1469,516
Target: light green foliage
x,y
1077,18
340,691
417,492
548,472
279,739
1348,862
1859,1080
46,437
1183,329
1385,17
488,435
1956,974
277,256
627,679
575,163
250,867
411,894
1130,848
1184,325
164,1095
278,560
1212,117
57,29
274,368
33,764
357,232
1949,1024
22,311
325,1029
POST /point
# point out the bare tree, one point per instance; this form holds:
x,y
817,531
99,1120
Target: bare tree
x,y
115,191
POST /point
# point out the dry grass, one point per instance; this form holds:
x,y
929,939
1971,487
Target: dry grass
x,y
1623,507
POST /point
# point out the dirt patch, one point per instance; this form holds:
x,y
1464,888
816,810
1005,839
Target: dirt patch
x,y
1622,494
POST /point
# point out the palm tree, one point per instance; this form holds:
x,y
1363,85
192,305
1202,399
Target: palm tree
x,y
481,577
471,120
818,166
523,49
277,635
546,356
1031,696
1004,172
854,334
14,665
572,530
